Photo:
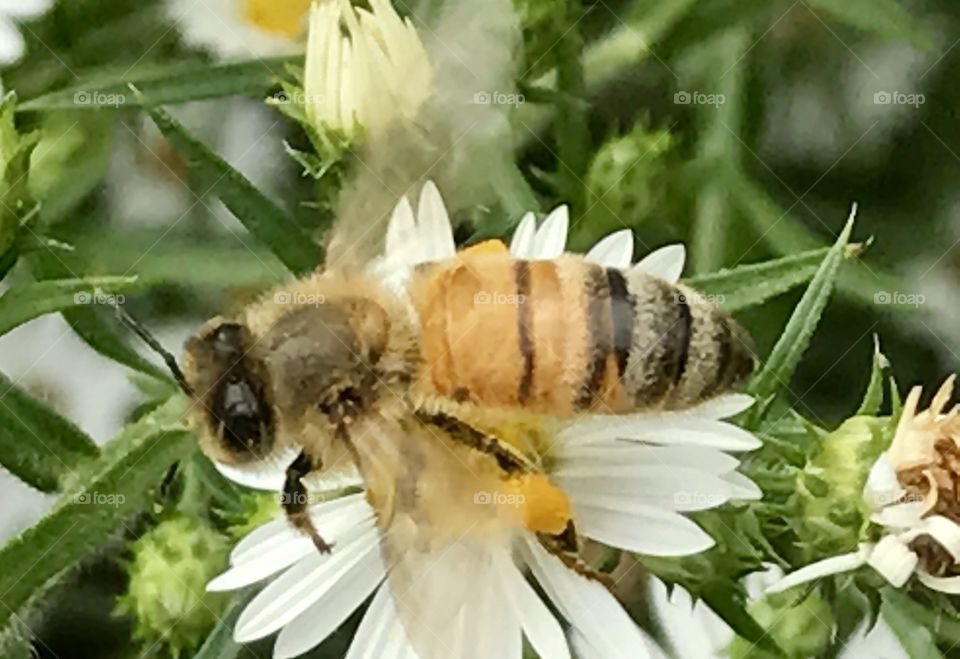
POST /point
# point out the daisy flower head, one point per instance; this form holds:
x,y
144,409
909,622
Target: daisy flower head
x,y
910,492
241,28
12,11
364,68
625,481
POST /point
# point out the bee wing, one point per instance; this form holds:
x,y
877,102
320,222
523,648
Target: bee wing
x,y
447,549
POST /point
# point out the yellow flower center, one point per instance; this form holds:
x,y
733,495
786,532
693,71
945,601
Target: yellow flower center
x,y
283,17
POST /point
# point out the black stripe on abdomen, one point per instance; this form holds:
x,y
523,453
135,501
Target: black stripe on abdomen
x,y
680,337
597,292
622,308
521,275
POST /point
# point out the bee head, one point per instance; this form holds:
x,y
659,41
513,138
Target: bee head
x,y
231,391
324,358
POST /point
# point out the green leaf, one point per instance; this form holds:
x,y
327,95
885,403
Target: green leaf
x,y
220,643
728,601
24,302
916,640
114,487
873,397
166,85
38,445
269,223
791,345
883,17
749,285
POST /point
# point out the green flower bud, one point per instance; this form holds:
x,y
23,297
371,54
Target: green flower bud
x,y
801,628
169,572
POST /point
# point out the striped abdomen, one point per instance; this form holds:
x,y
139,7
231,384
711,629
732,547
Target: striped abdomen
x,y
566,336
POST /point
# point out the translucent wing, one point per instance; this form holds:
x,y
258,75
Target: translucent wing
x,y
447,522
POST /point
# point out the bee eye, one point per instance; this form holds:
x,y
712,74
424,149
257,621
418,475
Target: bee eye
x,y
243,416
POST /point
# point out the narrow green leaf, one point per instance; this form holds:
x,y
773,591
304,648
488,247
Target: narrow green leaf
x,y
220,643
916,640
165,85
946,628
269,223
791,345
883,17
873,397
749,285
728,602
119,483
38,445
23,302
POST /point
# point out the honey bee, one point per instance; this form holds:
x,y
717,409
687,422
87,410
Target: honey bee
x,y
442,386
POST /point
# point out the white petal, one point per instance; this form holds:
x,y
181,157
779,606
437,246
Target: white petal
x,y
722,407
692,629
541,628
11,41
24,8
882,488
643,529
900,515
673,488
614,251
381,634
521,245
744,489
323,617
661,428
666,262
824,568
308,582
436,233
284,547
893,560
949,585
943,530
551,238
618,453
269,474
401,230
587,605
262,538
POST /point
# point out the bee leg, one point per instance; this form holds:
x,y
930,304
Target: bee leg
x,y
294,500
564,546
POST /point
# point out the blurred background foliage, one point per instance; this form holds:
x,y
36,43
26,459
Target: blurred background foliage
x,y
744,129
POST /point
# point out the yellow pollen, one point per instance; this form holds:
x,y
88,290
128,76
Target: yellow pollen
x,y
492,246
544,506
283,17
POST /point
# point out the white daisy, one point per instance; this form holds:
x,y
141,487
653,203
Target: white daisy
x,y
241,28
908,490
376,73
11,12
629,478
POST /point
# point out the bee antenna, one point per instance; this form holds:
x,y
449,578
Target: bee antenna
x,y
137,328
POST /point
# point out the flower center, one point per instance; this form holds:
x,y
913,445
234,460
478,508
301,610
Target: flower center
x,y
283,17
934,557
937,484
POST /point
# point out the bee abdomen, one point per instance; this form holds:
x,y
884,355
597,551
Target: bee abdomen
x,y
566,336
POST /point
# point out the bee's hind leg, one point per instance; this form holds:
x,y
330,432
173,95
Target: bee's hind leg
x,y
295,500
565,546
